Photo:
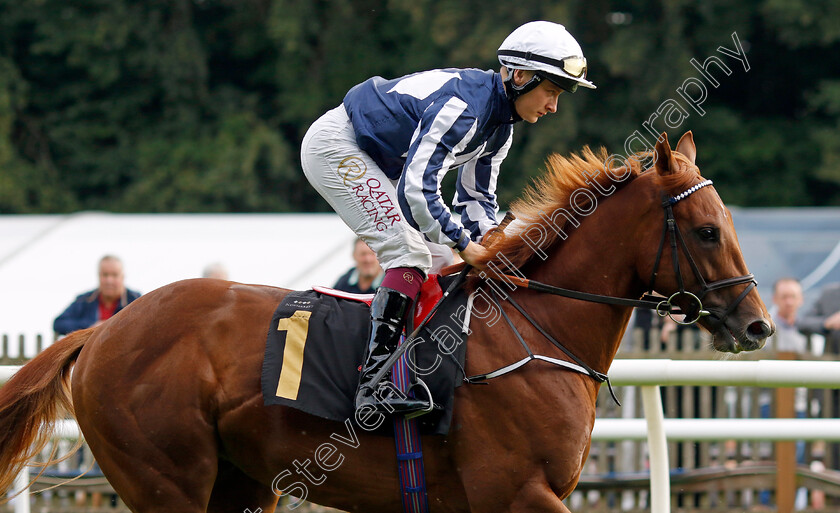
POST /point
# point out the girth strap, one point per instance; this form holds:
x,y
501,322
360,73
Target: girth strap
x,y
578,366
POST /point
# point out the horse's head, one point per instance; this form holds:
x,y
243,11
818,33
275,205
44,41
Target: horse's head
x,y
682,238
709,279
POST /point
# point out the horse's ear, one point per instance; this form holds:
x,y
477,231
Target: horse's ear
x,y
665,162
686,146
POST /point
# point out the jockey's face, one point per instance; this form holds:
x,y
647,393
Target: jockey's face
x,y
537,102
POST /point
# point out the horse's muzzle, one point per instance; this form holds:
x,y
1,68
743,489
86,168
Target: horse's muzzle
x,y
731,336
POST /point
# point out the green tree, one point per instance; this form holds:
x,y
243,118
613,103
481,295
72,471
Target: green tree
x,y
200,105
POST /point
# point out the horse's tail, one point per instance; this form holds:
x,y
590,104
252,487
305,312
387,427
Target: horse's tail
x,y
34,398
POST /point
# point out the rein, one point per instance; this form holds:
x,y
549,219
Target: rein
x,y
662,305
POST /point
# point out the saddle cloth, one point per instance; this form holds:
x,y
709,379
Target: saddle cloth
x,y
316,343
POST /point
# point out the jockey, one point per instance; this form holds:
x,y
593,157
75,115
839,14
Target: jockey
x,y
379,158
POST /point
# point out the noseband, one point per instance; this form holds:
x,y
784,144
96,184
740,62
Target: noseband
x,y
695,310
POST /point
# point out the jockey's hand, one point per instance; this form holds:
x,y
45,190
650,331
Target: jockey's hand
x,y
473,253
488,235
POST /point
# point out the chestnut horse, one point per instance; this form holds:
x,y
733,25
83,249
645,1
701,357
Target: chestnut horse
x,y
167,393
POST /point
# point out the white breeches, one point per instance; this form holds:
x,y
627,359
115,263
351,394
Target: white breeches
x,y
364,198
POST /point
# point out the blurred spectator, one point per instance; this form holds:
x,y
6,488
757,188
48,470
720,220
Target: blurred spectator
x,y
643,319
672,328
787,298
637,334
365,276
215,270
94,307
823,318
669,325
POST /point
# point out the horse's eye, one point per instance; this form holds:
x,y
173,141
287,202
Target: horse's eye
x,y
708,234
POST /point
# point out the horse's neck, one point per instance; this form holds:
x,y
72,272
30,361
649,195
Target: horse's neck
x,y
596,258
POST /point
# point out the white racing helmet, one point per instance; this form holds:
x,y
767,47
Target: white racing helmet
x,y
548,49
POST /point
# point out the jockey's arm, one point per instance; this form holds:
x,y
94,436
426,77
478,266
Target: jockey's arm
x,y
475,197
439,139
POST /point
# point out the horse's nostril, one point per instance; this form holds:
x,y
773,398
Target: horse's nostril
x,y
759,330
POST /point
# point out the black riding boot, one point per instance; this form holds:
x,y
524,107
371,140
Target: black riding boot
x,y
388,313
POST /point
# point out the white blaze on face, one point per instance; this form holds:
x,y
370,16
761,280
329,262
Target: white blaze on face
x,y
722,208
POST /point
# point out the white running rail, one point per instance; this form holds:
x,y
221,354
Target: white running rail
x,y
651,374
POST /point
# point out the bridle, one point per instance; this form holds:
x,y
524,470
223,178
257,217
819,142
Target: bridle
x,y
662,305
695,311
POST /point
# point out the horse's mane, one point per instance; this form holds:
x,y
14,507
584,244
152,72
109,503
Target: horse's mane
x,y
545,205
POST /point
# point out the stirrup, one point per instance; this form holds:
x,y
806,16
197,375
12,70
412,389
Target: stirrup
x,y
413,415
389,404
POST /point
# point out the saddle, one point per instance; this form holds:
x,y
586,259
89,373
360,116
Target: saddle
x,y
316,343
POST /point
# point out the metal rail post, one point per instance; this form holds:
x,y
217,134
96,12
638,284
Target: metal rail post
x,y
21,490
660,481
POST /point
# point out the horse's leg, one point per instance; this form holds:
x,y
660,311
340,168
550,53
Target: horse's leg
x,y
530,470
155,468
148,421
235,492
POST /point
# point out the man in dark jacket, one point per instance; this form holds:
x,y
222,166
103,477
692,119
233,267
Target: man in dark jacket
x,y
365,276
823,318
96,306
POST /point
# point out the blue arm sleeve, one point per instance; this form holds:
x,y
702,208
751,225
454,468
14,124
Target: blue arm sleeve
x,y
475,195
443,132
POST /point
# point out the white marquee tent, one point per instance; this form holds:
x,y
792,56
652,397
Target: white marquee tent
x,y
46,261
